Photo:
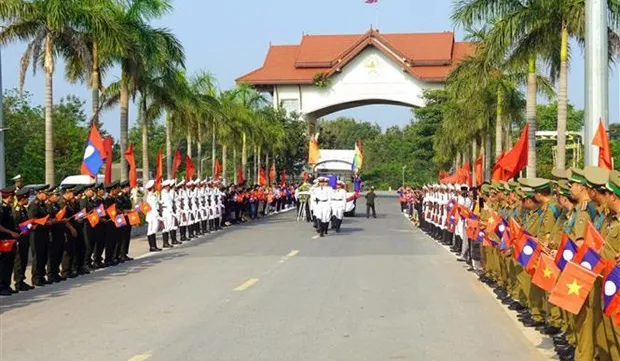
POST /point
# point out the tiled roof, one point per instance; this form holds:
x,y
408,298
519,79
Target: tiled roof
x,y
427,56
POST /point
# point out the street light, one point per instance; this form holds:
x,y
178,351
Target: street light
x,y
2,165
404,175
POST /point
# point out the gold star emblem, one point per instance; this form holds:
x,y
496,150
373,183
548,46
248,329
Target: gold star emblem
x,y
573,288
547,273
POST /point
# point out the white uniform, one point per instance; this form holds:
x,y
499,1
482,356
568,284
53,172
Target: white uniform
x,y
321,197
152,218
338,202
166,202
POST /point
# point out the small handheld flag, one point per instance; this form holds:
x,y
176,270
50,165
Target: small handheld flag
x,y
572,288
25,226
134,218
611,290
6,245
546,274
61,214
100,211
566,252
119,221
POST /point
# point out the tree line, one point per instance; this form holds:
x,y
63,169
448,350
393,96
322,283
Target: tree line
x,y
92,37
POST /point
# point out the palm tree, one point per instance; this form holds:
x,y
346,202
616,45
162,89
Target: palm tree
x,y
206,111
52,27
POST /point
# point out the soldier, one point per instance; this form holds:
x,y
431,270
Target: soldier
x,y
180,210
110,231
321,197
74,240
611,251
166,205
338,202
88,202
7,228
57,232
20,215
39,237
17,182
152,217
124,205
100,228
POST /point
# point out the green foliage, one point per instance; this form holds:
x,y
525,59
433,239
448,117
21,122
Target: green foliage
x,y
25,138
157,141
342,133
321,80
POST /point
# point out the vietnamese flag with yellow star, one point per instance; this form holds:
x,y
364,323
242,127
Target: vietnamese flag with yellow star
x,y
572,288
547,273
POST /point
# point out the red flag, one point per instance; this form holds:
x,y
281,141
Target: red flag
x,y
218,169
6,245
108,143
262,177
604,150
497,173
41,221
159,170
283,177
305,176
240,177
189,168
133,173
61,213
546,274
572,288
478,170
111,210
272,173
516,158
93,218
134,218
176,163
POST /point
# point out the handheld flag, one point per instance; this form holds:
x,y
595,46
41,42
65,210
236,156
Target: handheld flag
x,y
61,213
6,245
611,289
591,261
41,221
604,150
145,208
94,154
100,211
111,211
119,221
566,252
546,274
80,215
572,288
134,218
529,252
93,218
25,226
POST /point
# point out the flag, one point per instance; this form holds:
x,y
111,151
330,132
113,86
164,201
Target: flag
x,y
100,211
604,150
471,227
93,218
262,177
283,177
108,143
111,211
591,261
133,172
218,170
41,221
529,253
272,173
313,150
6,245
611,288
497,173
61,213
592,238
176,163
572,288
515,159
515,229
159,170
501,229
493,221
80,215
134,218
478,166
240,177
119,221
94,154
25,226
189,168
145,208
305,176
358,158
546,274
566,252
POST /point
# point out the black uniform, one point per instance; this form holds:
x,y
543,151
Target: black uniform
x,y
123,204
110,234
89,232
57,243
39,242
20,215
69,255
7,259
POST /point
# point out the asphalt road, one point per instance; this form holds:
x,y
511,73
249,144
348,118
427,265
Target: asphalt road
x,y
271,290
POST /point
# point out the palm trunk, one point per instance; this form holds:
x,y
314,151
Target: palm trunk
x,y
124,104
531,117
199,150
562,101
169,146
224,163
145,143
255,164
474,152
189,143
259,164
49,108
499,123
487,155
508,134
267,168
235,180
244,157
213,151
95,87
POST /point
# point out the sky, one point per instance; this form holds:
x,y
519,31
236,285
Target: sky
x,y
230,38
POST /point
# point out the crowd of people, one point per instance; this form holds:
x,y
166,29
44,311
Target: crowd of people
x,y
72,230
554,217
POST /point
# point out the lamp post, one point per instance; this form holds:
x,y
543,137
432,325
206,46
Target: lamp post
x,y
2,165
596,75
404,175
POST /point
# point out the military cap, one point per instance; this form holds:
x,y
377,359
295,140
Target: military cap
x,y
537,184
512,185
150,184
559,173
576,175
41,188
23,192
17,177
79,188
613,185
563,187
54,191
8,190
124,184
111,186
527,192
596,177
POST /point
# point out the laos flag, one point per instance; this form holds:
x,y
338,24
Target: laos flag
x,y
94,155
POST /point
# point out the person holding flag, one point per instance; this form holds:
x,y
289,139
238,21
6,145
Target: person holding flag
x,y
20,215
39,236
8,251
152,217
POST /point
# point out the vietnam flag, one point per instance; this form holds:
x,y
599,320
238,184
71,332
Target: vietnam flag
x,y
145,208
546,274
604,150
41,221
218,169
134,218
176,163
572,288
61,213
93,219
6,245
111,211
514,160
478,170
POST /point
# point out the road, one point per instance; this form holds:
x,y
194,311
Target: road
x,y
271,290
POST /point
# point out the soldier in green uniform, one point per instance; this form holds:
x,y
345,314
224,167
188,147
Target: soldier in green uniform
x,y
39,237
20,215
611,251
